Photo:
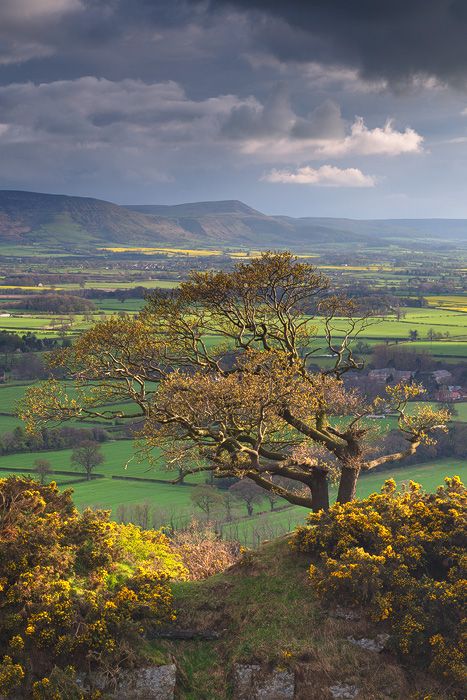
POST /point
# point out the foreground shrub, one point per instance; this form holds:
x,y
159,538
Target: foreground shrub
x,y
402,555
203,552
74,588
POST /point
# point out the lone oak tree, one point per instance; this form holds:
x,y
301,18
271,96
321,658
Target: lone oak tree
x,y
87,456
220,374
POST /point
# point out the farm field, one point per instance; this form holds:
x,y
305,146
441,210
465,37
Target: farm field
x,y
439,348
455,302
119,460
421,320
450,324
13,392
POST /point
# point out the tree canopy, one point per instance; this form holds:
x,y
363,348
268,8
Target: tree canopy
x,y
221,373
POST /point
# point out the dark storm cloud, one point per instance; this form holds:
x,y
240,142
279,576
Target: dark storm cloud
x,y
201,50
233,98
391,39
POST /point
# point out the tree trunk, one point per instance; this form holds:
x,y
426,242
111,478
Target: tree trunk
x,y
347,484
319,490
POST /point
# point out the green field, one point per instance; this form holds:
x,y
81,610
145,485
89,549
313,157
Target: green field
x,y
114,306
268,525
10,394
119,456
451,324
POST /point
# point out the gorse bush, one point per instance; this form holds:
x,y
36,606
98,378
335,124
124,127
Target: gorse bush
x,y
74,588
402,556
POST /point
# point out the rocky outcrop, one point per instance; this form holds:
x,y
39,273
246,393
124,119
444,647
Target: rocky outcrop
x,y
151,683
251,682
377,645
343,691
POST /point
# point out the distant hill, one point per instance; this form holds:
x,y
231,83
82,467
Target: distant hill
x,y
31,217
227,206
82,223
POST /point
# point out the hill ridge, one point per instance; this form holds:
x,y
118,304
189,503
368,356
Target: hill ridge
x,y
79,223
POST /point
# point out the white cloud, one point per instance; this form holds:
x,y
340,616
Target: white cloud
x,y
273,132
454,140
342,78
327,175
317,75
361,141
385,141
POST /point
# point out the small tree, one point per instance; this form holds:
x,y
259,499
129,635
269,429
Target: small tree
x,y
87,456
228,502
43,468
207,498
247,491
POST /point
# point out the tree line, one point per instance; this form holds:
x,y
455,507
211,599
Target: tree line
x,y
19,440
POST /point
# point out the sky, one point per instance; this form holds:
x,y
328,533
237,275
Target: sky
x,y
347,108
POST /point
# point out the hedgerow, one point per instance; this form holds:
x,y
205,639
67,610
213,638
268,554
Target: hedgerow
x,y
76,590
402,556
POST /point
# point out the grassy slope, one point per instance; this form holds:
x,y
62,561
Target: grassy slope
x,y
267,614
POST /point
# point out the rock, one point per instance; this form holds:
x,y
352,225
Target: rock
x,y
151,683
244,676
343,691
345,614
376,645
280,685
251,682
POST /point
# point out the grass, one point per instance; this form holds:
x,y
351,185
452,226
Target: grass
x,y
10,394
114,306
120,460
441,348
460,411
13,392
117,455
9,423
389,328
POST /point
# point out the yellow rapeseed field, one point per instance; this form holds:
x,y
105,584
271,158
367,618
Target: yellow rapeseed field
x,y
450,302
